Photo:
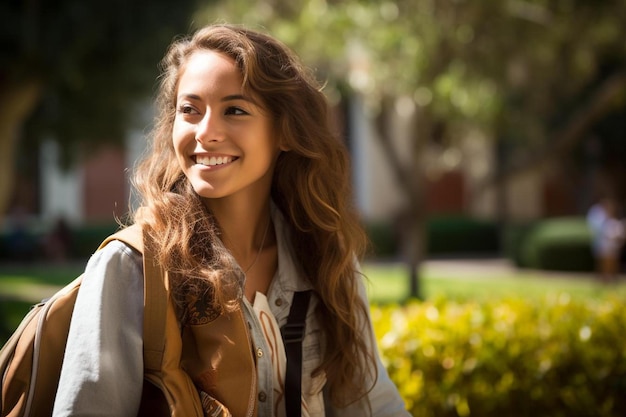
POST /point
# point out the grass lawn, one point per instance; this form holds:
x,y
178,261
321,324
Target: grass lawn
x,y
389,283
22,286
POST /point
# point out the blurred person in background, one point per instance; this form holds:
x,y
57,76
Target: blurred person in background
x,y
608,235
58,242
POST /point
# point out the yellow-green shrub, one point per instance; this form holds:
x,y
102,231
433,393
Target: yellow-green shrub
x,y
514,357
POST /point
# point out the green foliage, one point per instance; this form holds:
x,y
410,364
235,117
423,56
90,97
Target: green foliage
x,y
461,234
528,74
96,60
511,66
445,235
383,239
513,239
86,239
558,244
11,314
29,243
514,357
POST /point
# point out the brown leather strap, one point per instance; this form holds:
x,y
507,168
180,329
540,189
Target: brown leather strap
x,y
155,306
155,296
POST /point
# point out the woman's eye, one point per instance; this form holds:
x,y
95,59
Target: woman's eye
x,y
235,111
186,109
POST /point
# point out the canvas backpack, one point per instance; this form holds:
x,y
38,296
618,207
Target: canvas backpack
x,y
30,361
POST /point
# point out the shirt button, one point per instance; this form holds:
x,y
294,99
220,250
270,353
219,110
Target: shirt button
x,y
259,353
262,396
278,302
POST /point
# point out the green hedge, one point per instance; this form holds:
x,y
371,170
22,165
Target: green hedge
x,y
561,244
383,239
462,235
513,240
29,244
553,357
87,238
446,235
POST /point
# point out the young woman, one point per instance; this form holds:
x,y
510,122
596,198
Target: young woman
x,y
247,199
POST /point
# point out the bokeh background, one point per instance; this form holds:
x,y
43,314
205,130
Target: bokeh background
x,y
479,131
467,120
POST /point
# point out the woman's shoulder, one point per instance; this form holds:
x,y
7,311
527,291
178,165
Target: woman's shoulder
x,y
117,251
115,262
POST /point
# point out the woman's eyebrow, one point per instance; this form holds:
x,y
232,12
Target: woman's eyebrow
x,y
230,97
239,97
188,96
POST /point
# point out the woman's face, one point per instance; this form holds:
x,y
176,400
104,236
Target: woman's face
x,y
222,138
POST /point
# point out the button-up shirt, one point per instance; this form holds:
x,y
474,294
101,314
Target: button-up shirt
x,y
102,371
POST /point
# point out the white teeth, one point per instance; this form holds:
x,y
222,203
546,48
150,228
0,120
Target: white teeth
x,y
212,161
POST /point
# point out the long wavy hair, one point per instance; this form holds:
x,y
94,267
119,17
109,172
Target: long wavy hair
x,y
311,186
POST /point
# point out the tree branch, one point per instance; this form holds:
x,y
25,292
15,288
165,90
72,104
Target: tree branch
x,y
17,102
564,140
401,174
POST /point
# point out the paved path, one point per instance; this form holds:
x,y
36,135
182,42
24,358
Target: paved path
x,y
470,268
496,267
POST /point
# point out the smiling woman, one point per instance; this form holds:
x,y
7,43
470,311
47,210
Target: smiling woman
x,y
247,205
215,122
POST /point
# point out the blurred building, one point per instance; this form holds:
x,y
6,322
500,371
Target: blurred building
x,y
94,190
97,189
457,178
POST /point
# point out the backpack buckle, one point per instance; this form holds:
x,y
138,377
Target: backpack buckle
x,y
293,333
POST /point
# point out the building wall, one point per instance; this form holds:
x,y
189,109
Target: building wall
x,y
98,190
456,177
446,193
60,190
378,195
104,188
95,190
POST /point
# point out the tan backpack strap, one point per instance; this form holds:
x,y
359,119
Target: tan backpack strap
x,y
130,235
155,297
154,311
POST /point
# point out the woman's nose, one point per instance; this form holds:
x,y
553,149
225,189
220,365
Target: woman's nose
x,y
209,129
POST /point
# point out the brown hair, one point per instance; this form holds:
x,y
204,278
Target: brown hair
x,y
311,186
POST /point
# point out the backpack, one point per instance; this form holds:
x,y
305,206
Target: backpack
x,y
31,360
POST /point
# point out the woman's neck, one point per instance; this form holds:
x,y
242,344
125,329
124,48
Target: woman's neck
x,y
247,232
243,225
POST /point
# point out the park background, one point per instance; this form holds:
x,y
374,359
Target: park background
x,y
481,132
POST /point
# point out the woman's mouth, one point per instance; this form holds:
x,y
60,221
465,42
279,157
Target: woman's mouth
x,y
214,160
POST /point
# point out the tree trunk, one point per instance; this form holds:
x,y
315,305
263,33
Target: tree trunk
x,y
17,101
414,280
413,218
414,246
500,190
